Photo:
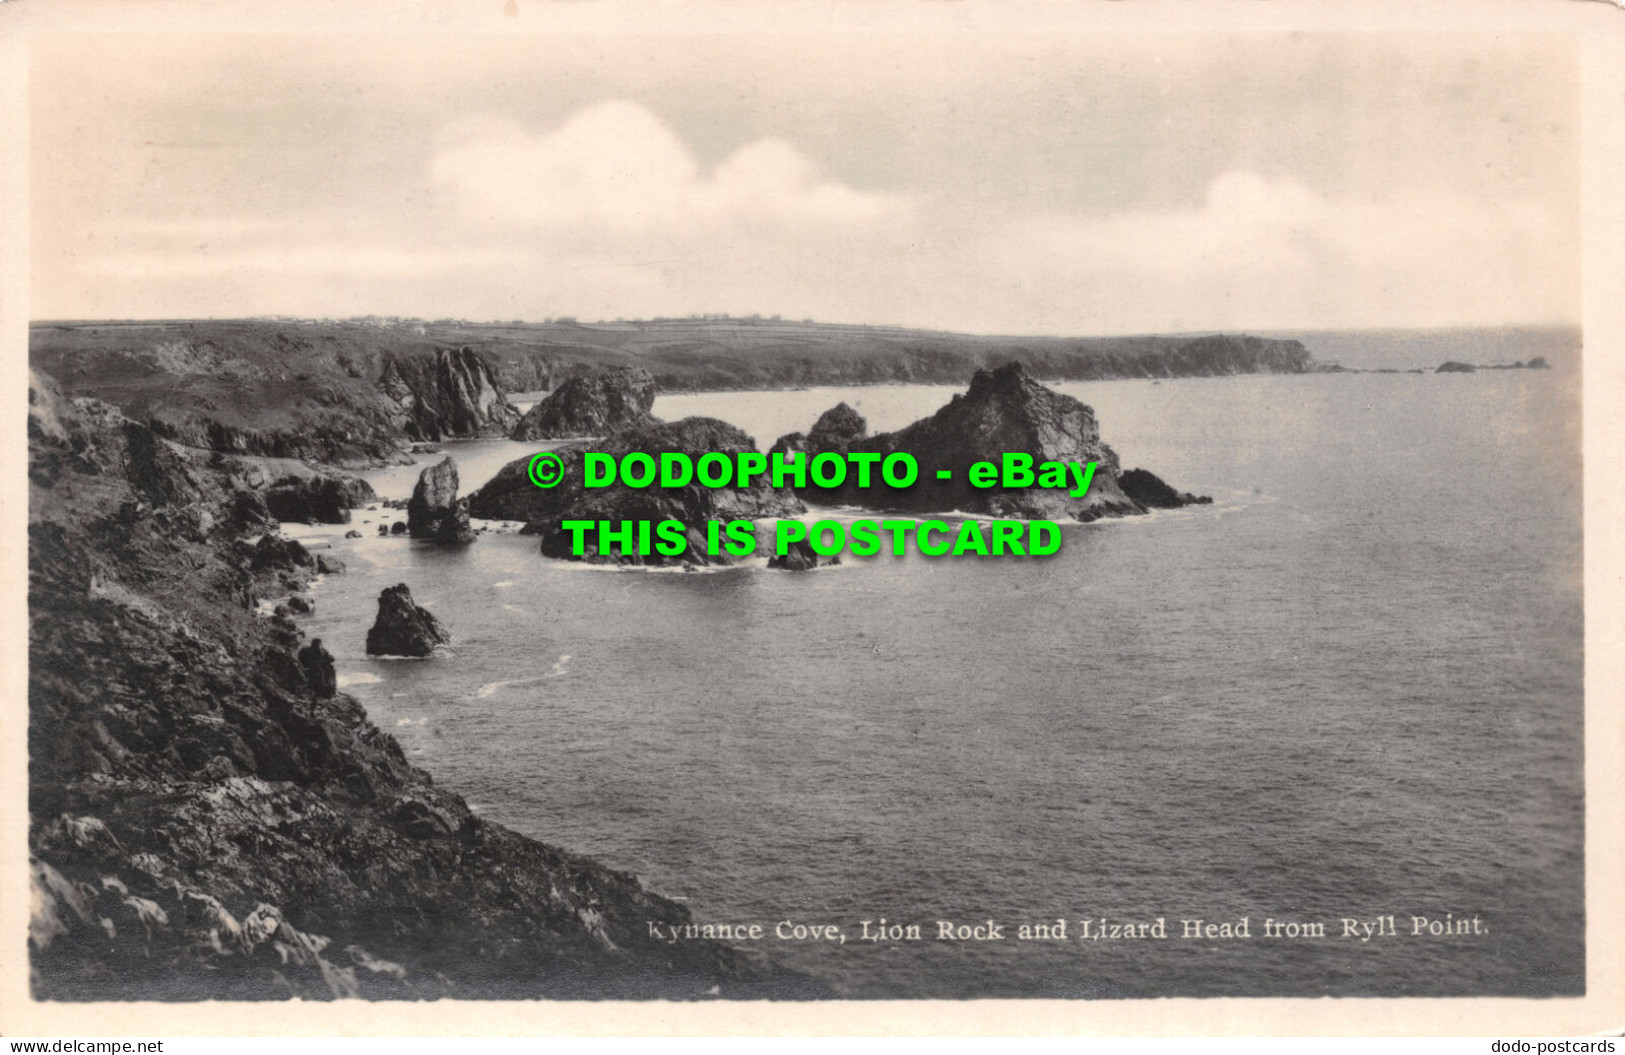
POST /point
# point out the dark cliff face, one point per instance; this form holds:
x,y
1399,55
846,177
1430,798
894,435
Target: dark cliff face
x,y
1004,411
511,496
453,394
207,822
596,404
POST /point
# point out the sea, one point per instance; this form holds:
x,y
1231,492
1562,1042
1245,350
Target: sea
x,y
1346,694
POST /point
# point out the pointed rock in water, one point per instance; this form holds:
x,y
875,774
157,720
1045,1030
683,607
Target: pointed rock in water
x,y
597,404
317,663
435,512
1149,490
402,628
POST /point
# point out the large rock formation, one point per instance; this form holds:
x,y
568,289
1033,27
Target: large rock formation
x,y
1005,410
596,404
452,393
434,511
402,628
511,496
204,825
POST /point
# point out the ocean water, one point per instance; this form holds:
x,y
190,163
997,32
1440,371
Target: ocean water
x,y
1350,688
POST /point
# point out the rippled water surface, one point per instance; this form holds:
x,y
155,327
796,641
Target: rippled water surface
x,y
1349,688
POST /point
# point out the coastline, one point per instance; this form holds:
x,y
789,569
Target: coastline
x,y
207,826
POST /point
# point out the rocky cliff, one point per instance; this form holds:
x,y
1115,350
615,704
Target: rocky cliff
x,y
281,390
207,822
452,394
511,496
595,404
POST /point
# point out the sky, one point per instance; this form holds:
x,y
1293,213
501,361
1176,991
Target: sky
x,y
1070,183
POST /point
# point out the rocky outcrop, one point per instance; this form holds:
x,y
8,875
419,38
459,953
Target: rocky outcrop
x,y
434,511
837,429
273,552
1004,410
1452,367
595,404
317,498
799,556
206,824
1149,490
511,496
317,664
449,394
402,628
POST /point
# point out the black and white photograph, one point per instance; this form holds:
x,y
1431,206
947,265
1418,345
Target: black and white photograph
x,y
881,505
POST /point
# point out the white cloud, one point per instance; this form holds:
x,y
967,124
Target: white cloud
x,y
618,166
323,259
610,214
1267,252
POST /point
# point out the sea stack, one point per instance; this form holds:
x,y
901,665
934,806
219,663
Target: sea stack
x,y
435,513
402,628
